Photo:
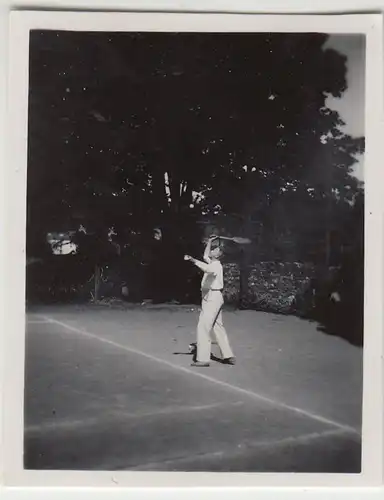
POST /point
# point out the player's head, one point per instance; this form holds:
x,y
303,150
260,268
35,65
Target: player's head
x,y
217,252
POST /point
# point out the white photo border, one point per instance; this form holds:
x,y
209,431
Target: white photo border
x,y
14,272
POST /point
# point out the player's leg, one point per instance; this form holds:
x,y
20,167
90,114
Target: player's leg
x,y
222,339
206,320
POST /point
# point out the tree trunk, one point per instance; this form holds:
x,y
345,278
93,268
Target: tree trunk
x,y
97,282
328,248
328,230
158,190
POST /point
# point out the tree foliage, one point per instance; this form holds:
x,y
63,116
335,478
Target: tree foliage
x,y
138,130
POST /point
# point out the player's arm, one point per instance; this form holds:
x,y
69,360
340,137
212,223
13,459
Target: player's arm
x,y
207,268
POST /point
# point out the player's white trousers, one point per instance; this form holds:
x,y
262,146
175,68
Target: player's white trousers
x,y
211,320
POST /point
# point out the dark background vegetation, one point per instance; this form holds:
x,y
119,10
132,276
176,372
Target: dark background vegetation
x,y
194,133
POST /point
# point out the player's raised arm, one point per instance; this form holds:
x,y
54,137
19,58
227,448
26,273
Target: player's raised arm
x,y
207,250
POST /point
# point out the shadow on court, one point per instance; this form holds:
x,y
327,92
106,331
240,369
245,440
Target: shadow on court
x,y
106,390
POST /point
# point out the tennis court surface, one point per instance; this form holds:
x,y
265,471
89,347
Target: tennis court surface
x,y
113,389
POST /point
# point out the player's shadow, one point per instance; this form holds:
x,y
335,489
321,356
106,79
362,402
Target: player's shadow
x,y
191,351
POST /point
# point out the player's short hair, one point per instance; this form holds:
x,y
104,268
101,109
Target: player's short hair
x,y
220,247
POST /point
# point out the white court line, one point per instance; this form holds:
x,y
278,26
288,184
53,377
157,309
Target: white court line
x,y
120,415
240,450
37,321
235,388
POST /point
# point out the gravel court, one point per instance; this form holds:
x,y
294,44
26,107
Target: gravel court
x,y
99,405
282,357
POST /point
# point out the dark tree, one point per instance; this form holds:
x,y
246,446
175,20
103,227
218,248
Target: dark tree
x,y
135,131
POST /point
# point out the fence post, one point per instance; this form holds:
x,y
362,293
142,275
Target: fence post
x,y
244,278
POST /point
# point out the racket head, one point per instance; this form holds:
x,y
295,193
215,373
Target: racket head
x,y
241,241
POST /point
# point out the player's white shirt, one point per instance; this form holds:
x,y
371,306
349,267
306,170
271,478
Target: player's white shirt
x,y
213,276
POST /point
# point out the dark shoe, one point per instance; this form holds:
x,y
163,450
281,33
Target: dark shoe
x,y
229,361
200,364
